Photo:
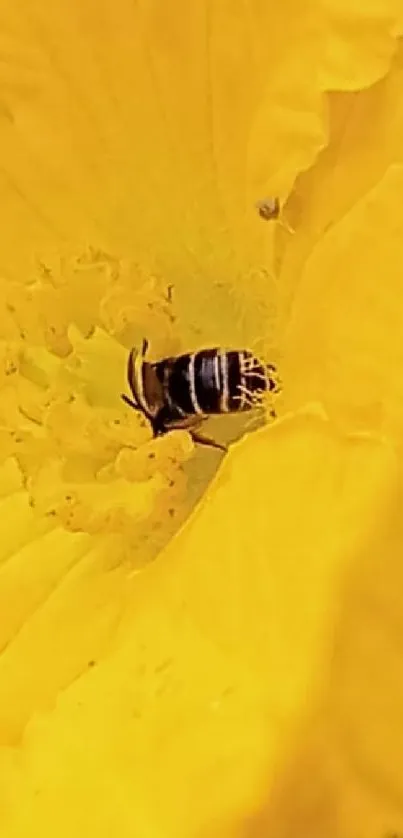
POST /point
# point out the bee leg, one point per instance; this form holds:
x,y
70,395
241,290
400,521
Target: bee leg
x,y
188,423
201,439
163,423
206,440
160,422
133,355
131,402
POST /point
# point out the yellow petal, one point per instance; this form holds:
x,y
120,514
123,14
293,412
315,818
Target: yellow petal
x,y
136,141
151,135
366,135
354,276
218,653
354,62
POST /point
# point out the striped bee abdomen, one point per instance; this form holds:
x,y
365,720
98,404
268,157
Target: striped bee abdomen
x,y
233,394
179,392
213,381
254,380
207,380
177,384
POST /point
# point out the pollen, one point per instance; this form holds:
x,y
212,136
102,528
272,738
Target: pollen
x,y
165,455
87,462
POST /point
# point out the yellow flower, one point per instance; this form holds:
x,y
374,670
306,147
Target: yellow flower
x,y
239,675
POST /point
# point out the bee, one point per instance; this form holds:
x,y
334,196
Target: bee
x,y
183,391
268,208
